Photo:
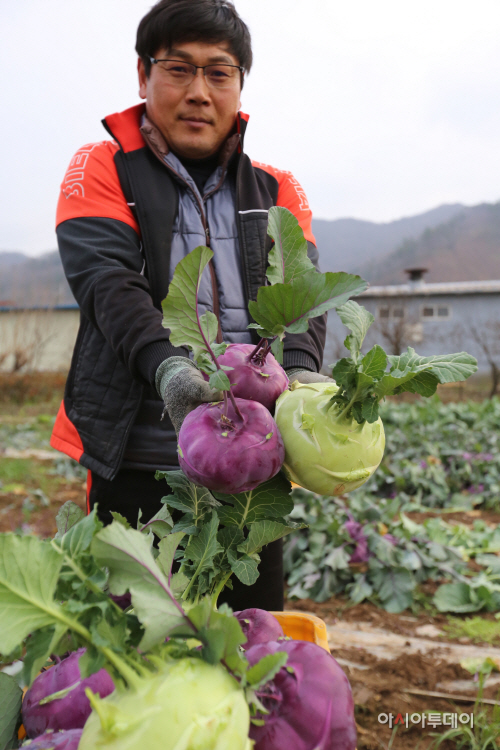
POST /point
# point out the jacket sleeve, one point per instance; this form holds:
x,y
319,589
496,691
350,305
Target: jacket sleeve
x,y
300,349
100,249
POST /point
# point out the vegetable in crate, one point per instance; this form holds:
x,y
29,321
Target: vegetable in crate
x,y
334,438
258,626
57,698
309,701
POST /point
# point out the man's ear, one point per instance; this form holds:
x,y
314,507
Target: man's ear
x,y
143,79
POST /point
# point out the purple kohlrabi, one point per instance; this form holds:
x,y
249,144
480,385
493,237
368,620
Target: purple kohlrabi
x,y
361,552
71,708
256,378
229,453
309,701
67,740
259,626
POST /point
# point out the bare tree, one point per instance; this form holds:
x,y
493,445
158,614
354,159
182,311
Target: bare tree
x,y
398,326
488,340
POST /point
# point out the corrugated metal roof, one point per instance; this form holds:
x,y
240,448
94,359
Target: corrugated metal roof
x,y
422,289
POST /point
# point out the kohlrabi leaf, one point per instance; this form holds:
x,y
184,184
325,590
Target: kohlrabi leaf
x,y
374,363
265,669
77,540
219,381
127,555
245,568
167,547
226,646
270,499
161,523
358,320
288,259
39,646
11,697
29,569
180,307
67,516
265,532
448,368
203,547
186,496
288,307
277,350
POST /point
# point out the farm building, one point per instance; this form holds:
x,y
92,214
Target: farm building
x,y
435,318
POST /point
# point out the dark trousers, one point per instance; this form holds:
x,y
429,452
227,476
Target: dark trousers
x,y
132,490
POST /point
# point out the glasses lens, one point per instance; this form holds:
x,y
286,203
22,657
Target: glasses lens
x,y
221,76
178,73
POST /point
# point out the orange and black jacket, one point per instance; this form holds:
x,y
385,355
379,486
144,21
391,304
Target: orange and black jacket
x,y
115,215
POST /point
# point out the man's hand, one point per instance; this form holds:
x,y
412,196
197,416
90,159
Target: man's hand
x,y
182,387
306,376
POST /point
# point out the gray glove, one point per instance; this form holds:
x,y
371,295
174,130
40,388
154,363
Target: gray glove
x,y
182,387
306,376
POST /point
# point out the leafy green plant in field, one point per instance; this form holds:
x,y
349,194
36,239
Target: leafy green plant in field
x,y
441,455
369,548
477,629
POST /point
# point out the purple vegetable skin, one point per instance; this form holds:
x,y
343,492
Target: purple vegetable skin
x,y
259,626
68,740
70,711
255,379
230,455
309,701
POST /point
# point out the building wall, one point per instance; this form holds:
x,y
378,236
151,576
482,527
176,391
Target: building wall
x,y
471,317
44,338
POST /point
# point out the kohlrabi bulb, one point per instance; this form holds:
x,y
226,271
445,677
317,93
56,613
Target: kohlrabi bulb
x,y
228,453
188,705
260,378
324,452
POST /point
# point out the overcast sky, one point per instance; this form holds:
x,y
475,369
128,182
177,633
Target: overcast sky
x,y
381,108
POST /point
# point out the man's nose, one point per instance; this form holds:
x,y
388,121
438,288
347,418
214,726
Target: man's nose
x,y
198,88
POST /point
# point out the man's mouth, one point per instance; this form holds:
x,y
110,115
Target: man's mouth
x,y
197,122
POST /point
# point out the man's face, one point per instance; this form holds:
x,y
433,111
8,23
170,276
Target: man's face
x,y
195,119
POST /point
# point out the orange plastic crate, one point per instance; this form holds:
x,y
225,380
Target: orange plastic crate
x,y
302,626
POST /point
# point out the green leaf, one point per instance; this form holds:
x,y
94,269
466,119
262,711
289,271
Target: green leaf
x,y
448,368
127,555
186,496
67,515
120,519
338,559
265,669
270,499
277,350
29,569
11,697
230,537
90,662
244,568
180,313
374,363
344,371
202,548
219,381
396,590
161,523
227,644
77,540
358,320
369,410
288,307
456,597
288,258
262,533
41,644
167,547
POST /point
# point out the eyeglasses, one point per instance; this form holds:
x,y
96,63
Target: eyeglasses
x,y
179,73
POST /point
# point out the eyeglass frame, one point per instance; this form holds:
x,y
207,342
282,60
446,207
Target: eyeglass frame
x,y
154,61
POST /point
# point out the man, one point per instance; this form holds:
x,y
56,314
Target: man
x,y
174,176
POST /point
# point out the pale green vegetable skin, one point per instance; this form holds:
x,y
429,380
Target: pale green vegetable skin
x,y
325,454
189,705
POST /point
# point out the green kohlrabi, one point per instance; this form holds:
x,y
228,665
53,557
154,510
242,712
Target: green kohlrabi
x,y
187,705
334,438
326,452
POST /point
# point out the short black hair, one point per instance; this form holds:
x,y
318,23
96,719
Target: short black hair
x,y
171,22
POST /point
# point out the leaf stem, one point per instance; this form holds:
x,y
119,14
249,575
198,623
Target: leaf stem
x,y
219,589
259,345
